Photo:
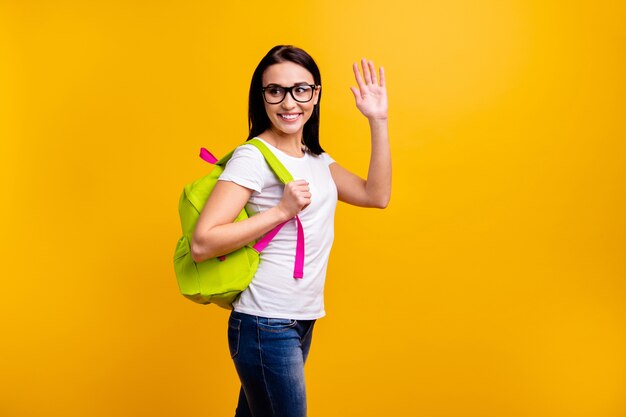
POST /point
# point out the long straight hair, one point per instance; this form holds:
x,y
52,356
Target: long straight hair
x,y
258,122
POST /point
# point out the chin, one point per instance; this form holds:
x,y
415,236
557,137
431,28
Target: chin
x,y
289,129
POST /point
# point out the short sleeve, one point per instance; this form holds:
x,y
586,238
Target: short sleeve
x,y
326,158
245,168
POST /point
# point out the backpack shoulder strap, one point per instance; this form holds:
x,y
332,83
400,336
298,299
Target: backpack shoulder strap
x,y
284,176
279,169
276,166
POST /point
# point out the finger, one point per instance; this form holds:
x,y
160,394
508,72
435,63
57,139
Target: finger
x,y
373,72
304,202
357,76
382,76
366,71
301,189
357,94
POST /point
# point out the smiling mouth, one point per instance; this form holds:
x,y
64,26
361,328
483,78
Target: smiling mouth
x,y
289,116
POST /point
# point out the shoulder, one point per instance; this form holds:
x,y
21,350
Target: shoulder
x,y
247,151
325,158
247,168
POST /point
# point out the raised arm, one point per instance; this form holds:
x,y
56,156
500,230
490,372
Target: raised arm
x,y
371,100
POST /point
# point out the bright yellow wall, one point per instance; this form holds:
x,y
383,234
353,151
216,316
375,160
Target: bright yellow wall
x,y
493,285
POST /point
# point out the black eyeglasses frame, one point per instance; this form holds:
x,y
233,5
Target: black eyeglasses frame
x,y
289,90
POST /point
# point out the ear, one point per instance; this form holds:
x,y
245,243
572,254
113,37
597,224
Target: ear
x,y
316,95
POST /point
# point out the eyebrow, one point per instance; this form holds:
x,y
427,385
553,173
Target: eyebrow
x,y
296,84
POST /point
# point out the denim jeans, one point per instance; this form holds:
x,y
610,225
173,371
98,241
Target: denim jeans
x,y
269,355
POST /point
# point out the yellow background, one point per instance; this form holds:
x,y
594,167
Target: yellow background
x,y
493,285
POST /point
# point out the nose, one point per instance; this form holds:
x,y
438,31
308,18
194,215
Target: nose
x,y
288,102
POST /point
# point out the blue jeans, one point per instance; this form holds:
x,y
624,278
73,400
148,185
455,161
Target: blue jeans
x,y
269,355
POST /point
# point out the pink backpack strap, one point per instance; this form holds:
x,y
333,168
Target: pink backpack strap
x,y
265,240
299,265
298,269
207,156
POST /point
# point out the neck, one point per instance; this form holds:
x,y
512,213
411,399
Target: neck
x,y
290,144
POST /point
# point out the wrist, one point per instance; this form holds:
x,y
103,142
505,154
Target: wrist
x,y
378,121
280,215
378,128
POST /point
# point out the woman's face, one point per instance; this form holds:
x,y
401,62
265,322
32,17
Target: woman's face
x,y
289,116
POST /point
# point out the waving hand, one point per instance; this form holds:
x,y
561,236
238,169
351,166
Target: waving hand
x,y
371,94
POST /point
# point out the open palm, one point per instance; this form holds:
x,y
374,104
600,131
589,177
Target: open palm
x,y
371,94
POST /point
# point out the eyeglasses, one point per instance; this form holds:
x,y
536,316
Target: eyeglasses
x,y
274,94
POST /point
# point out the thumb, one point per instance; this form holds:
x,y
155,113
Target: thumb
x,y
357,94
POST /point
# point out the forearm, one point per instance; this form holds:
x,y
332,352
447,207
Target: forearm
x,y
225,238
378,183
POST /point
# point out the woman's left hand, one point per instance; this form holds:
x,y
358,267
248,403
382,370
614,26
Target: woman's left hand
x,y
371,95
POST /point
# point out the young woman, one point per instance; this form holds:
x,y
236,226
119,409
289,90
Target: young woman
x,y
271,325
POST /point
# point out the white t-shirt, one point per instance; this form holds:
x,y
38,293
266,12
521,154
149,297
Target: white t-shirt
x,y
273,291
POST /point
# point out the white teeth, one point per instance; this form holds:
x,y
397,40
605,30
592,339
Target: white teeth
x,y
289,116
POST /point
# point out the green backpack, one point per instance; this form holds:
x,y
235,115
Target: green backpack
x,y
220,280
